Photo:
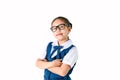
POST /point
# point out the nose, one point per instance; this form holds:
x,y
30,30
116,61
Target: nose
x,y
58,29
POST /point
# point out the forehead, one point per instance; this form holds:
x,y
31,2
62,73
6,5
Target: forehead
x,y
57,22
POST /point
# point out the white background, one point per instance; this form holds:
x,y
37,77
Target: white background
x,y
24,29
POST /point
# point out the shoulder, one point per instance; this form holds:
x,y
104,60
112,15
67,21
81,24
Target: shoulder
x,y
71,57
74,50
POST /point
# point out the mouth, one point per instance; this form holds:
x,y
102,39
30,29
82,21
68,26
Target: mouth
x,y
59,34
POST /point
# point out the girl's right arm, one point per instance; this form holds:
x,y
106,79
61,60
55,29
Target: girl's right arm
x,y
44,64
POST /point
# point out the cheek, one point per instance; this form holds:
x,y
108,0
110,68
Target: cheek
x,y
54,34
66,32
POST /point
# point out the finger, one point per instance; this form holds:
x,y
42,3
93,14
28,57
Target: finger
x,y
59,59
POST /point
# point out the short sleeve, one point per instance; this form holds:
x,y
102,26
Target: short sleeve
x,y
71,57
43,52
43,55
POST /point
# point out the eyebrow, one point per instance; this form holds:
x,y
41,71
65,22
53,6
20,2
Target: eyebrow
x,y
59,24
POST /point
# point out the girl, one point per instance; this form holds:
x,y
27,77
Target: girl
x,y
60,55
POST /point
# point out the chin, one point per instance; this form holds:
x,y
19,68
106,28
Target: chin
x,y
59,39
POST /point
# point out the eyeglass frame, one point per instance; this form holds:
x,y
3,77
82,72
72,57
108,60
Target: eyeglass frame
x,y
58,27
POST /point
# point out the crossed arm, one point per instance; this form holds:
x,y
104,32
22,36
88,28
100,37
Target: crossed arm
x,y
55,66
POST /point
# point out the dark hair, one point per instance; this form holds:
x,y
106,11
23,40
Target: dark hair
x,y
64,20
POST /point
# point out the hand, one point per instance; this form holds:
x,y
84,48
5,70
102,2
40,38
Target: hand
x,y
45,60
56,63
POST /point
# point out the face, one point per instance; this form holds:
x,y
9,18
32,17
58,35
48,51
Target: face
x,y
62,30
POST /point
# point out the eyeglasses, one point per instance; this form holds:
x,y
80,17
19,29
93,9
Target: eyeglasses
x,y
60,27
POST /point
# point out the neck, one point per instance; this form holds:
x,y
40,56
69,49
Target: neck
x,y
62,41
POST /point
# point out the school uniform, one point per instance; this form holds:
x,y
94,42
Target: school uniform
x,y
66,51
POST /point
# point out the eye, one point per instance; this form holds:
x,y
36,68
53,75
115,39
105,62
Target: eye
x,y
53,28
62,26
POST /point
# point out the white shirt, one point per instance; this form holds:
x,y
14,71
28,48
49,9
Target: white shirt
x,y
70,58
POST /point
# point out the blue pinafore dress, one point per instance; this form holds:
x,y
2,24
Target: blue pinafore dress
x,y
48,75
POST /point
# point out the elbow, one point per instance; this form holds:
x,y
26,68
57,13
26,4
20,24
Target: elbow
x,y
41,64
64,71
37,64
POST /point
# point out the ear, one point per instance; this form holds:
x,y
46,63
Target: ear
x,y
69,28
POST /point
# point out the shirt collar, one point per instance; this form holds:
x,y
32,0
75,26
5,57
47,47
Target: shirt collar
x,y
65,44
